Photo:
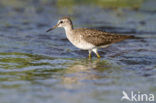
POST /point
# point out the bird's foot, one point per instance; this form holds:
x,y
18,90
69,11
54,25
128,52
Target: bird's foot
x,y
98,56
89,57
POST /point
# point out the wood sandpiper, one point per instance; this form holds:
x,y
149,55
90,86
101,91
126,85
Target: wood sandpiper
x,y
88,39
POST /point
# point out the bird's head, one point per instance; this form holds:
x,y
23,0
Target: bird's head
x,y
64,22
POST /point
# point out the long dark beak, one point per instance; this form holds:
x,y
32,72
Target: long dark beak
x,y
52,28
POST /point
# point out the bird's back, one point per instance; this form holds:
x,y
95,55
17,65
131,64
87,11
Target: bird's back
x,y
100,38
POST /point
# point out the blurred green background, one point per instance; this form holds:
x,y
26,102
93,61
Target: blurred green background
x,y
133,4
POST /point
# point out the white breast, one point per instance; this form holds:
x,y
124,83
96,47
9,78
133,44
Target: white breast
x,y
79,42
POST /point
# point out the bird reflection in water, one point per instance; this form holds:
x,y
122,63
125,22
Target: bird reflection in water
x,y
83,71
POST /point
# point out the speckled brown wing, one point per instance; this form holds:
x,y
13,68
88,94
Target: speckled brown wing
x,y
99,38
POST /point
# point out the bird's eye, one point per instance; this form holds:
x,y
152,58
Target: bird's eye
x,y
61,22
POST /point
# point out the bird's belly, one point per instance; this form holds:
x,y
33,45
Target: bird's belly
x,y
80,43
83,45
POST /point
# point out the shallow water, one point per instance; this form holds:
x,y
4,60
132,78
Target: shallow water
x,y
40,67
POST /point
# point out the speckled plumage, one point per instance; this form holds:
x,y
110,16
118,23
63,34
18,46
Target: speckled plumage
x,y
99,38
89,39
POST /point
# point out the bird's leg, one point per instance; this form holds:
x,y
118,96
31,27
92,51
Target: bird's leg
x,y
98,55
90,56
96,52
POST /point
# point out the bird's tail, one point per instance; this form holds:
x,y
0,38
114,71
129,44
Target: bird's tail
x,y
133,37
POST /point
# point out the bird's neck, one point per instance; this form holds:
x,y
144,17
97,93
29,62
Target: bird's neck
x,y
68,29
69,32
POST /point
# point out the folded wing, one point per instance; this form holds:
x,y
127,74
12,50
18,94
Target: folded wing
x,y
99,38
